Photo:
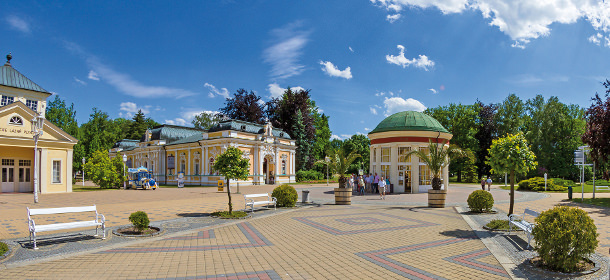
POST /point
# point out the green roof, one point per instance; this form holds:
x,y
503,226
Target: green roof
x,y
409,121
249,127
172,133
12,78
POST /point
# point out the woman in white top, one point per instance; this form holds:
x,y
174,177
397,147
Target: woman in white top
x,y
382,185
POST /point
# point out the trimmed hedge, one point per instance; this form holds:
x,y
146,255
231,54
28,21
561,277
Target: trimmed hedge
x,y
139,220
600,182
3,248
286,195
563,182
564,236
537,184
309,175
480,201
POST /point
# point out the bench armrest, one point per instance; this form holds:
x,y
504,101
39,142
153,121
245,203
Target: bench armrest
x,y
513,216
274,200
249,200
101,217
31,225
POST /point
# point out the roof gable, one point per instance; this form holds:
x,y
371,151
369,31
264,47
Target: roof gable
x,y
17,109
10,77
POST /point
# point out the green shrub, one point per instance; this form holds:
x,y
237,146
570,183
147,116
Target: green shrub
x,y
480,201
139,220
537,184
309,175
227,215
499,224
564,236
3,248
563,182
600,182
286,196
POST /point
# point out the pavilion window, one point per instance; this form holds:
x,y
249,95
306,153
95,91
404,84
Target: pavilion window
x,y
32,104
402,151
385,154
15,121
425,176
6,100
56,171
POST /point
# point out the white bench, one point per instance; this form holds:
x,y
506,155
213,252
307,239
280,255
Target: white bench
x,y
605,188
526,226
259,199
99,220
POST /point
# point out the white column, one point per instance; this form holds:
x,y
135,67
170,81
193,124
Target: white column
x,y
188,168
394,167
446,177
414,171
69,171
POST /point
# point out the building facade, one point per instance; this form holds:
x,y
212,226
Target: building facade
x,y
169,150
396,136
20,101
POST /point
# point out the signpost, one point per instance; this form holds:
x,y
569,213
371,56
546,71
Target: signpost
x,y
545,182
579,159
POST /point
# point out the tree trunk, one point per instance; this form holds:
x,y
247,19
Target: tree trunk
x,y
229,193
436,183
459,176
512,192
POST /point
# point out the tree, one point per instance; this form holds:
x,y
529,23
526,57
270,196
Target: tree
x,y
303,144
205,120
244,106
486,132
359,144
436,159
511,154
597,133
232,165
99,133
138,126
64,117
102,171
323,133
281,112
509,118
339,162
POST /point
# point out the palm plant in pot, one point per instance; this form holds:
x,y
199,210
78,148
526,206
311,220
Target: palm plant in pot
x,y
339,161
436,160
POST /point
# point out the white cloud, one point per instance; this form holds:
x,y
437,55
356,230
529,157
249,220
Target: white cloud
x,y
381,93
367,129
215,92
333,71
178,121
397,104
346,136
393,18
320,111
400,59
335,137
93,76
277,91
80,81
128,109
521,20
373,110
18,23
351,50
433,90
123,82
187,115
284,54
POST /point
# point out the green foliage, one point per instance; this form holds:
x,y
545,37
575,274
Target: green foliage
x,y
359,144
480,201
437,159
563,182
64,117
244,106
303,150
537,184
498,224
205,120
487,131
232,166
470,169
229,215
140,220
323,133
3,248
308,175
102,171
598,182
339,162
564,236
286,195
510,116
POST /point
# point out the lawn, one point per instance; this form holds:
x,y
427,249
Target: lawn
x,y
603,202
575,189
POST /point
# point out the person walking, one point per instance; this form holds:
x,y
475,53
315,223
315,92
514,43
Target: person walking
x,y
361,185
483,183
367,181
488,183
376,183
381,188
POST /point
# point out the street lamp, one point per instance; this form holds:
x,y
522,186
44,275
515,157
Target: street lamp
x,y
83,171
327,159
124,162
37,125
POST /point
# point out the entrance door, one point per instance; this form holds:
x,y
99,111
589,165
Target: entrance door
x,y
24,176
8,175
404,177
265,171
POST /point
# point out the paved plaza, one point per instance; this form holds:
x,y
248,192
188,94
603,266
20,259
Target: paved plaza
x,y
396,238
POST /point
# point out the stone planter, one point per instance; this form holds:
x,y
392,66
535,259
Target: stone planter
x,y
343,196
436,198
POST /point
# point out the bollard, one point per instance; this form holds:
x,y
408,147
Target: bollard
x,y
305,196
570,192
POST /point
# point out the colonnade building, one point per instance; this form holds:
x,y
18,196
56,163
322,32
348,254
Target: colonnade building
x,y
21,100
396,136
169,150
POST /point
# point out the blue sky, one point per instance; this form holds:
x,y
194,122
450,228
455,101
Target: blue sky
x,y
362,60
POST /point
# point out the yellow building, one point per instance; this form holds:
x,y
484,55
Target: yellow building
x,y
169,150
20,101
399,134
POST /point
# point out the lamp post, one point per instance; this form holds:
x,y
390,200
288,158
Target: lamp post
x,y
37,125
327,159
124,162
83,171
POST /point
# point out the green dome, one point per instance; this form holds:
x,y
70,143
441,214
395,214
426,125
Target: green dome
x,y
409,121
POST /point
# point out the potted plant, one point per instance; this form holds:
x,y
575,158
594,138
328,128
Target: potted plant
x,y
339,161
437,159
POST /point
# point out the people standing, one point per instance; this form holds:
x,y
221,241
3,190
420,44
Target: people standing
x,y
483,183
361,185
367,181
376,183
488,183
381,186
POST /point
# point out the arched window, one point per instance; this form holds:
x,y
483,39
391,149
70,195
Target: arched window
x,y
211,166
15,121
182,166
196,167
284,167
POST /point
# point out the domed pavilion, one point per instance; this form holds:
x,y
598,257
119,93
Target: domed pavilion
x,y
399,134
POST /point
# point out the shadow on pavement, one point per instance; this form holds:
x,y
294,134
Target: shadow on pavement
x,y
50,241
193,215
460,233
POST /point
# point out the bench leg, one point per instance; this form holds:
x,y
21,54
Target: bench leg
x,y
529,239
103,231
34,235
